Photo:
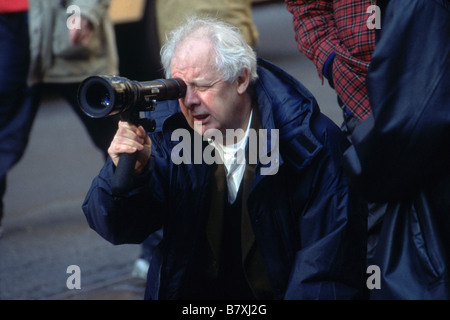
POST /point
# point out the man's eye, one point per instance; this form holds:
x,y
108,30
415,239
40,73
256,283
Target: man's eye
x,y
201,88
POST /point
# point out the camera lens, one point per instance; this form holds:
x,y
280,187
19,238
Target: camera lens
x,y
106,101
96,97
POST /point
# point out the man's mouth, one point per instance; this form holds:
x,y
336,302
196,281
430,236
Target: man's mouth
x,y
201,117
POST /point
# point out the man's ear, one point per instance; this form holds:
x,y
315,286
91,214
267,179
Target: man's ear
x,y
243,81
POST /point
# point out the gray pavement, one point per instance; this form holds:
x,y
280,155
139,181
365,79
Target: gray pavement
x,y
44,228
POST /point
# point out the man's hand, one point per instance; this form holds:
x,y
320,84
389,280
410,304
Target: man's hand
x,y
129,139
83,35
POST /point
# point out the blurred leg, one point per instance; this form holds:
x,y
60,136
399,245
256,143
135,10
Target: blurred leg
x,y
18,104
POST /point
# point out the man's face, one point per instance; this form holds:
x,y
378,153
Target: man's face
x,y
209,101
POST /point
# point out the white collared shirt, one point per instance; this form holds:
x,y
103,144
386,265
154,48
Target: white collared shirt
x,y
233,157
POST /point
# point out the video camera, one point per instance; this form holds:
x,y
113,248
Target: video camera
x,y
102,96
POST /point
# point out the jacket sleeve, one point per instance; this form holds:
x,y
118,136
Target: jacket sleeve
x,y
128,218
315,30
332,229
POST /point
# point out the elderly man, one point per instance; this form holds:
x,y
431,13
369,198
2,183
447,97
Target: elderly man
x,y
246,182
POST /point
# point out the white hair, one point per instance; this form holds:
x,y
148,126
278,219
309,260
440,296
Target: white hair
x,y
233,54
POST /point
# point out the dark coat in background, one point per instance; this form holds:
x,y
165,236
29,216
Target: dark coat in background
x,y
401,154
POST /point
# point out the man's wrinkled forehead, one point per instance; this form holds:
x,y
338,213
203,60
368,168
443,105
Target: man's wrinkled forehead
x,y
195,53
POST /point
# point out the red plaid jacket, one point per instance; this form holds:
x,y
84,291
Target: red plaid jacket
x,y
334,34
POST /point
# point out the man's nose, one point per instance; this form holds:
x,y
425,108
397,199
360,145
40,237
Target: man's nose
x,y
191,99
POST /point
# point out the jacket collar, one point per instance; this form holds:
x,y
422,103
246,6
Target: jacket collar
x,y
286,105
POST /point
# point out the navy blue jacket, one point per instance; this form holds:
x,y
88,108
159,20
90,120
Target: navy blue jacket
x,y
400,154
309,227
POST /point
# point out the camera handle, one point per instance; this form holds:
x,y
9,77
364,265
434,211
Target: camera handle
x,y
123,176
122,180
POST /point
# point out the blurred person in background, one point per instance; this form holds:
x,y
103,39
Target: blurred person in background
x,y
15,105
334,34
69,41
50,50
170,13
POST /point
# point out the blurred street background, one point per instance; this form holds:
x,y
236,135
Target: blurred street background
x,y
45,230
